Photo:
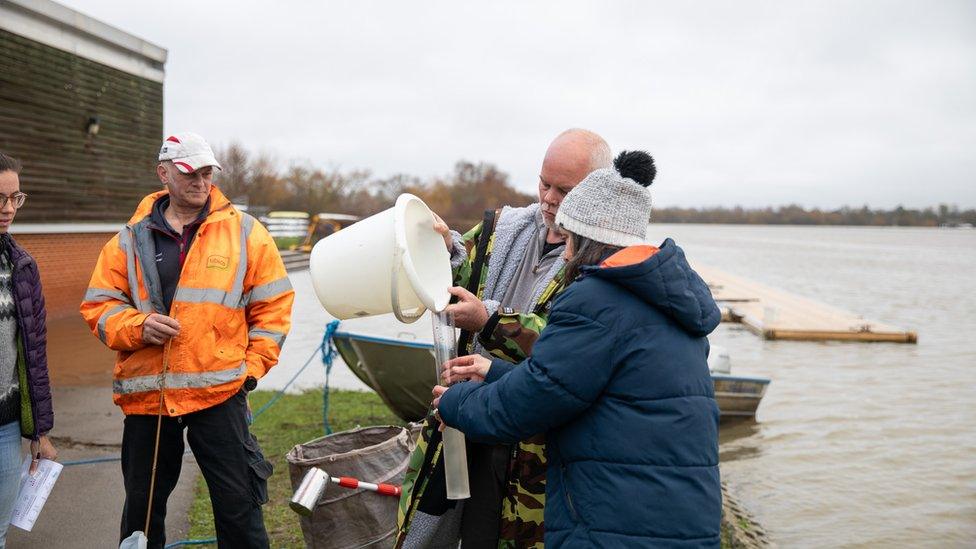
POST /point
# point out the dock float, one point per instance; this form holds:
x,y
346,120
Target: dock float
x,y
777,314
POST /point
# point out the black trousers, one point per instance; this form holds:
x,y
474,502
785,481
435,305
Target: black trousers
x,y
487,477
229,458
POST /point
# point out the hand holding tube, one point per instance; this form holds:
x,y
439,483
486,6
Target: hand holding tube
x,y
471,367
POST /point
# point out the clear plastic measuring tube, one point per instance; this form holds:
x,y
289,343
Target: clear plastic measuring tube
x,y
455,451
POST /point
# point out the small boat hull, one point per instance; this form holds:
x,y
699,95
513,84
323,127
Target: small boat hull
x,y
403,372
739,396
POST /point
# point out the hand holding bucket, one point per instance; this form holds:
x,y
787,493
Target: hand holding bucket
x,y
391,262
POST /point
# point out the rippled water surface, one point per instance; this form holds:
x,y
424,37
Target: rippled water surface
x,y
856,444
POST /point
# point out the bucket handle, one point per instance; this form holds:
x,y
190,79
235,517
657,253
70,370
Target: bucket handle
x,y
395,289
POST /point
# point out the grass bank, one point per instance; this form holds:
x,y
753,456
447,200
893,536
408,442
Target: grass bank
x,y
293,419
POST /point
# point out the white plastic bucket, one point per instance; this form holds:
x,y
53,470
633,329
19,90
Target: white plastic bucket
x,y
393,261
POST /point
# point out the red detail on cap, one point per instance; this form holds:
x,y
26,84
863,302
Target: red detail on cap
x,y
348,482
189,168
173,139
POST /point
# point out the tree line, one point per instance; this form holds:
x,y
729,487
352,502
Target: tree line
x,y
944,214
461,196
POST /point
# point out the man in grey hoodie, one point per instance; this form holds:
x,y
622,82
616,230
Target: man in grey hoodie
x,y
516,285
526,252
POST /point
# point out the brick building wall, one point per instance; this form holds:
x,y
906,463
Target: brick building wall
x,y
65,262
47,98
81,105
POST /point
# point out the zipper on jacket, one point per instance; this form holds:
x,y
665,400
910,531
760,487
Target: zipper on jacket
x,y
206,221
184,253
23,342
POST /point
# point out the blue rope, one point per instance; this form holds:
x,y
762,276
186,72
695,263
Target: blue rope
x,y
329,330
89,461
328,353
281,393
190,542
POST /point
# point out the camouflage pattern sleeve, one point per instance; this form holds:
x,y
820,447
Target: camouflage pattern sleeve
x,y
462,274
523,505
511,338
510,335
415,478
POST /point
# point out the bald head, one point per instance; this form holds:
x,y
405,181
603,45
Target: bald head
x,y
583,148
571,156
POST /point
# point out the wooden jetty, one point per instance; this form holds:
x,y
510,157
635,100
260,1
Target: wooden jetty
x,y
769,312
776,314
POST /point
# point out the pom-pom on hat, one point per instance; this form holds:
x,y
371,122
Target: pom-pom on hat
x,y
612,206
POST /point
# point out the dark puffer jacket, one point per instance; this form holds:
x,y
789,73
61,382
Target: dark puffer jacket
x,y
620,382
32,330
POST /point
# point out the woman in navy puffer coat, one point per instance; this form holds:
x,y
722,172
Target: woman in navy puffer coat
x,y
618,380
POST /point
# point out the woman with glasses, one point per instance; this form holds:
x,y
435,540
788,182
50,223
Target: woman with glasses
x,y
25,394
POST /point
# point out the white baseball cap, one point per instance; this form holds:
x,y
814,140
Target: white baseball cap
x,y
188,151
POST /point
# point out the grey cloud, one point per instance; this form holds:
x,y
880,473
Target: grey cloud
x,y
820,103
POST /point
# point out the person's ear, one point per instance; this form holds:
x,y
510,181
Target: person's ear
x,y
162,174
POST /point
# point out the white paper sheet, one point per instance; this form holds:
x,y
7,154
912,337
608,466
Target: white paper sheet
x,y
34,491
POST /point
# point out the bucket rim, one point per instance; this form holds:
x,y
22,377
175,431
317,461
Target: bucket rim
x,y
397,436
399,228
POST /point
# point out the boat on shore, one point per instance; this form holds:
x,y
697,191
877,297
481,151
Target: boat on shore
x,y
737,396
402,373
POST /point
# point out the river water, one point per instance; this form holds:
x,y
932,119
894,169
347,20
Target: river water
x,y
855,444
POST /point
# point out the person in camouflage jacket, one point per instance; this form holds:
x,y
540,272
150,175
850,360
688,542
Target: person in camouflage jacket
x,y
518,242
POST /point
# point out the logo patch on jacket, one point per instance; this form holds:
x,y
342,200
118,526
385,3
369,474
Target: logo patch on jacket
x,y
220,262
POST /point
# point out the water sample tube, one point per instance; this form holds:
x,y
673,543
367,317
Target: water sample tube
x,y
454,448
455,464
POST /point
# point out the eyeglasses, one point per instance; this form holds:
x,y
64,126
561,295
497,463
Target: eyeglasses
x,y
17,199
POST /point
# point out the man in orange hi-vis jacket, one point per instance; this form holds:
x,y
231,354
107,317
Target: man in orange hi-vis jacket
x,y
193,295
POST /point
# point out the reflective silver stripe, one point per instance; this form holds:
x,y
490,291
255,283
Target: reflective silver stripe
x,y
268,290
277,337
125,242
208,295
102,320
247,223
143,384
145,250
98,295
233,299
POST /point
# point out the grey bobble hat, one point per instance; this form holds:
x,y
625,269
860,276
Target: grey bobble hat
x,y
607,207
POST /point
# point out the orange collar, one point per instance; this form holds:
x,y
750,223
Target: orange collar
x,y
217,202
631,255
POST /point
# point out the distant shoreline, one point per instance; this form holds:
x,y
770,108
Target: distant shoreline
x,y
943,215
839,225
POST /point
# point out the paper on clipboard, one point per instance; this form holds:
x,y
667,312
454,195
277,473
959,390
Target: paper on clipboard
x,y
34,491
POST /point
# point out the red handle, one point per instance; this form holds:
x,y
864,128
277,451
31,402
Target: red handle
x,y
384,489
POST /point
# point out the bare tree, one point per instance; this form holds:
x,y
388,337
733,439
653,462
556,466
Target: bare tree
x,y
236,177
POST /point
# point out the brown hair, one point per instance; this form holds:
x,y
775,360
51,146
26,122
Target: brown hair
x,y
9,163
586,251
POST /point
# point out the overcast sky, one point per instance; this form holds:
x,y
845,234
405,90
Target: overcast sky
x,y
820,103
